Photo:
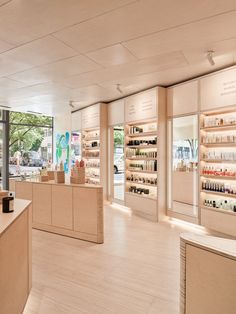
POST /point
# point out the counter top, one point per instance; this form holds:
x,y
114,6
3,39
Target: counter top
x,y
6,220
67,183
222,246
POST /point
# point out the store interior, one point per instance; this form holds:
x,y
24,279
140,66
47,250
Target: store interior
x,y
117,157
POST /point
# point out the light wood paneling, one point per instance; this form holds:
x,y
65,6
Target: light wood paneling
x,y
210,282
182,99
15,265
24,190
42,203
62,212
85,213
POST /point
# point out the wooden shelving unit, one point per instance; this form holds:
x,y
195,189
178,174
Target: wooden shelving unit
x,y
145,158
136,134
220,125
94,145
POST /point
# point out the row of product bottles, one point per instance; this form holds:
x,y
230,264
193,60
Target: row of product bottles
x,y
135,152
93,154
185,166
91,181
149,165
91,144
92,173
142,142
93,163
140,191
219,120
218,138
133,129
218,171
219,155
90,135
141,179
218,187
221,204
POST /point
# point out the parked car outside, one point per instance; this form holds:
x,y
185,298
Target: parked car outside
x,y
31,159
119,164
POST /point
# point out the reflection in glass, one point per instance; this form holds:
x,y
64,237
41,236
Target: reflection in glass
x,y
75,147
184,165
119,163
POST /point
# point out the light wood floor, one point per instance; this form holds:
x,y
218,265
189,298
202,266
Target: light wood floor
x,y
136,270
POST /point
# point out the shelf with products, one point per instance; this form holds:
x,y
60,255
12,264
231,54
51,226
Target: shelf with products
x,y
91,154
141,159
218,165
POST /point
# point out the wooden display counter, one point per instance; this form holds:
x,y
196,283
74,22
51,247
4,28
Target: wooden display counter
x,y
74,210
15,257
208,275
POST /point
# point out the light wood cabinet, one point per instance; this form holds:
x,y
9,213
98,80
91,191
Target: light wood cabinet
x,y
15,258
42,203
85,217
67,209
62,215
208,275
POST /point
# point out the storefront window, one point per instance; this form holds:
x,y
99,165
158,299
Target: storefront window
x,y
30,143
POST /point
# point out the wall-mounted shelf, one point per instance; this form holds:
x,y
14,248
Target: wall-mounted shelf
x,y
143,134
225,135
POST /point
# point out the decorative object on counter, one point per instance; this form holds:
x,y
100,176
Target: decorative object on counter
x,y
6,204
43,175
78,173
51,175
59,176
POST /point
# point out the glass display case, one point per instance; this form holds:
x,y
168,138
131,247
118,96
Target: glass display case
x,y
184,175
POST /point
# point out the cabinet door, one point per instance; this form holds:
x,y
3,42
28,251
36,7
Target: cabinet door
x,y
85,204
23,190
62,207
42,203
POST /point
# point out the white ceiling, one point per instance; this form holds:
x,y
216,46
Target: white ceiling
x,y
56,51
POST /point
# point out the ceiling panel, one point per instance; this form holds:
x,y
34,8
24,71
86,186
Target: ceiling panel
x,y
6,84
118,72
112,55
187,36
57,70
138,19
221,50
22,21
38,52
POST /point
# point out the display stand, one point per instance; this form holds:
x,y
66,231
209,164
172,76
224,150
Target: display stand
x,y
145,132
218,170
94,145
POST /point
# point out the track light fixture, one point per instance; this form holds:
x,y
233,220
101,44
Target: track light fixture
x,y
71,104
210,54
118,88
